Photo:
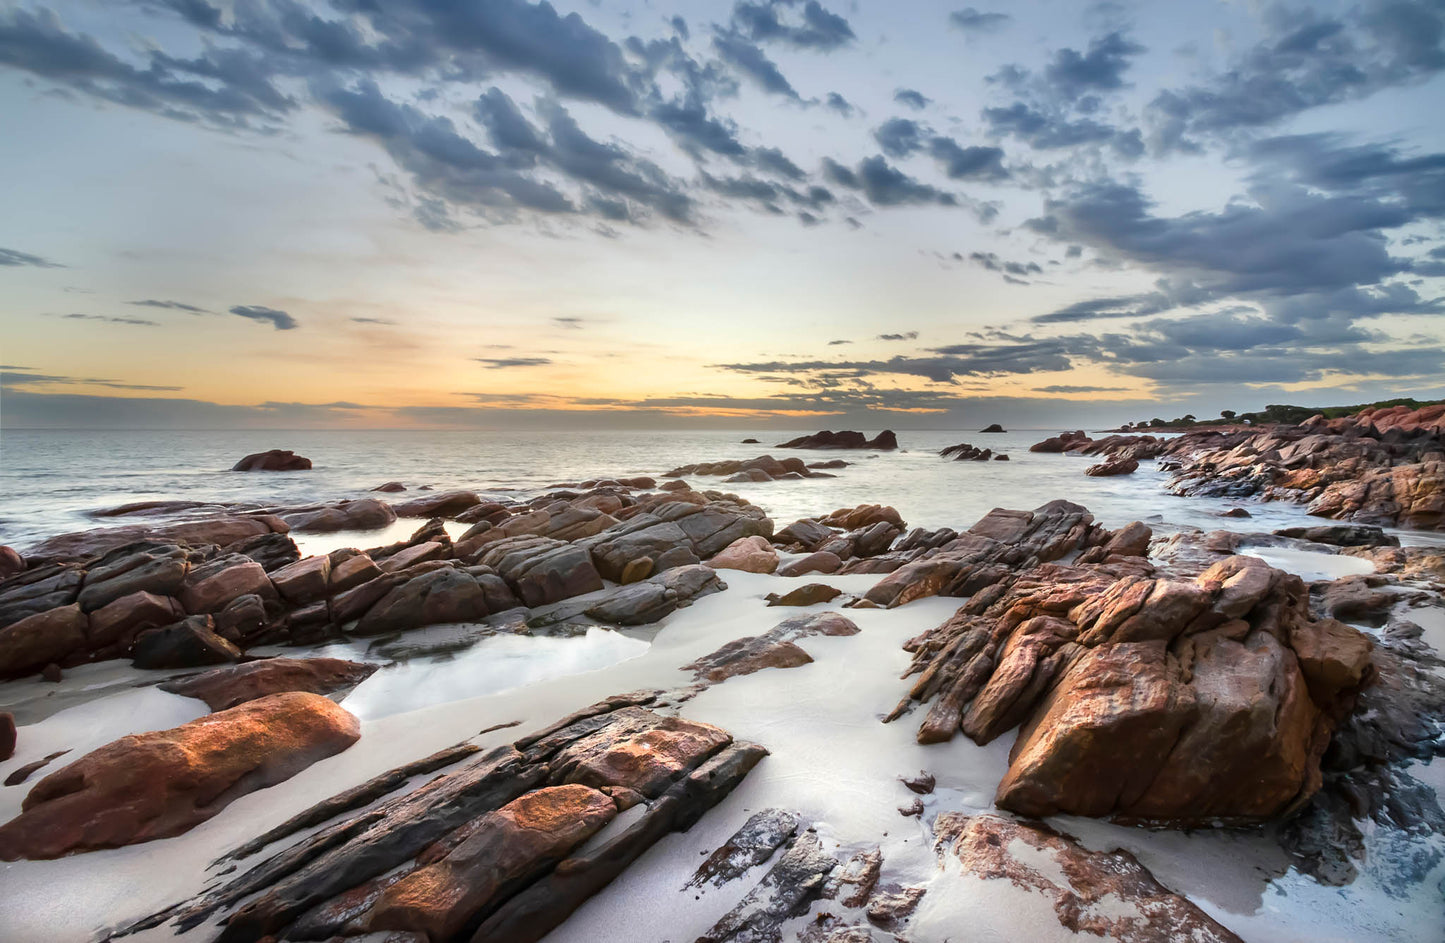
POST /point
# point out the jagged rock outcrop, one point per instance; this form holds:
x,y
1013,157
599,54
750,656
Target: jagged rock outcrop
x,y
494,848
775,648
155,785
963,452
1136,695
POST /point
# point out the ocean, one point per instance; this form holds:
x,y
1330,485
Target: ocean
x,y
51,481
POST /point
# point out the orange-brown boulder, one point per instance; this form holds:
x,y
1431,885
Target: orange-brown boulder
x,y
163,783
224,688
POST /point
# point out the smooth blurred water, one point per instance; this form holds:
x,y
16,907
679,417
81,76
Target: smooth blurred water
x,y
52,479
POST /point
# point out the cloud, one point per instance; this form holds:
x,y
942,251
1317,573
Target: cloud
x,y
770,21
992,262
837,342
909,336
967,163
502,363
100,317
386,321
839,104
899,137
169,305
1064,389
972,21
884,184
280,320
14,380
912,98
1073,74
16,257
573,324
750,60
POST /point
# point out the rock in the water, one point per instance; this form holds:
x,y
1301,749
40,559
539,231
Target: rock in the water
x,y
190,643
446,504
1105,895
1118,466
11,562
221,531
884,441
155,785
224,688
1066,442
391,487
994,427
749,554
1342,535
364,514
274,460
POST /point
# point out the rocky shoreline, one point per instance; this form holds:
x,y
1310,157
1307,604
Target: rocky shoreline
x,y
1175,681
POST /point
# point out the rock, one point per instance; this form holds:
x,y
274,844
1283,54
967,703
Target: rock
x,y
762,834
823,561
11,562
1066,442
160,569
676,486
365,514
513,845
750,554
1235,512
349,569
274,460
52,674
155,785
7,735
447,504
963,452
115,626
636,570
864,515
1342,535
994,427
21,773
224,688
658,596
773,649
391,487
809,595
304,581
272,551
806,533
190,643
38,640
417,553
913,810
1353,599
884,441
221,531
797,878
750,441
446,594
1121,466
541,570
210,586
830,463
243,618
1109,895
922,784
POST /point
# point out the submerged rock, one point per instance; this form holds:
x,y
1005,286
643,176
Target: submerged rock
x,y
155,785
273,460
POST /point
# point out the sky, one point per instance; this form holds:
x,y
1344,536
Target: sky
x,y
787,213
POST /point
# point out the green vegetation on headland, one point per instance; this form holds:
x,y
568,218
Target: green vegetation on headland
x,y
1277,413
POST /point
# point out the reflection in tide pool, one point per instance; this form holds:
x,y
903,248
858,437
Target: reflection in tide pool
x,y
495,664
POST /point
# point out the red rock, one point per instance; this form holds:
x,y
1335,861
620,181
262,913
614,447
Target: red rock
x,y
647,761
365,514
1115,466
750,554
212,585
419,553
304,581
442,504
224,688
863,515
274,460
823,561
36,641
11,562
7,735
391,487
507,847
117,623
190,643
155,785
221,531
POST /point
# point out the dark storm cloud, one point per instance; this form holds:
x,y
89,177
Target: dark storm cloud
x,y
912,98
168,305
502,363
1305,60
17,258
967,163
972,21
280,320
772,21
1329,162
1072,74
135,322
